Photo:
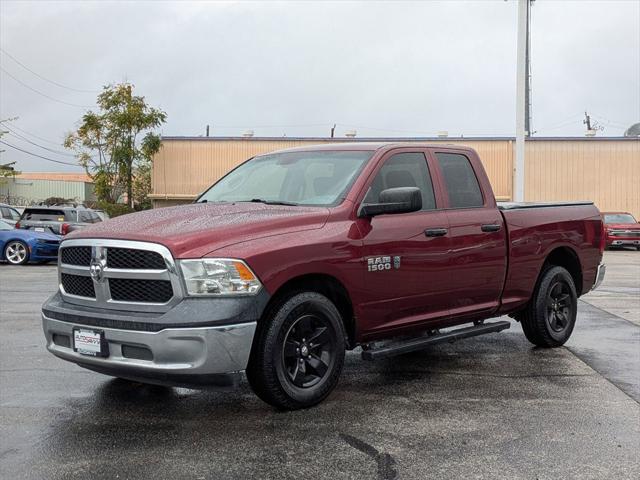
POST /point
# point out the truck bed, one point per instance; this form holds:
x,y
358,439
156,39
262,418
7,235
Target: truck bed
x,y
521,205
535,230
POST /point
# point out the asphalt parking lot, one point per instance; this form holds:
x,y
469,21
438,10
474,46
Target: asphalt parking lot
x,y
488,407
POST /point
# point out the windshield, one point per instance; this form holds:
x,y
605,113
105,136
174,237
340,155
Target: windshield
x,y
619,218
319,178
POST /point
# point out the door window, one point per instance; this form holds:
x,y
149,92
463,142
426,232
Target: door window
x,y
84,217
460,180
404,170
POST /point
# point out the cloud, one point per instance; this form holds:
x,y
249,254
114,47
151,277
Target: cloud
x,y
295,68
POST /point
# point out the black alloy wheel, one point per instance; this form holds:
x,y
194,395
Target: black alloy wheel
x,y
559,306
549,317
308,350
298,351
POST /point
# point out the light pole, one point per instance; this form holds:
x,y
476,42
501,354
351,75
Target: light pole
x,y
521,98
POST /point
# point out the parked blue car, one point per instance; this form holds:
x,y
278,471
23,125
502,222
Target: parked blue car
x,y
21,246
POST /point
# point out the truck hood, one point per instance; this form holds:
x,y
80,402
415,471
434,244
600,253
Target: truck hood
x,y
192,231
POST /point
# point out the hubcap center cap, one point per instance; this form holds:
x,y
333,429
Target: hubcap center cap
x,y
304,350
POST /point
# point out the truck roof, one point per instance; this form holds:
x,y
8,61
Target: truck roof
x,y
372,146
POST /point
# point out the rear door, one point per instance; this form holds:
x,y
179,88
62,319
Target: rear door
x,y
478,255
406,262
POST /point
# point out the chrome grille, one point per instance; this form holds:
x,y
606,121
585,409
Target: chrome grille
x,y
76,256
136,259
624,233
130,290
78,285
118,274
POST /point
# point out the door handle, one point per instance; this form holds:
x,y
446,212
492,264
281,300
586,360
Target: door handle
x,y
435,232
492,227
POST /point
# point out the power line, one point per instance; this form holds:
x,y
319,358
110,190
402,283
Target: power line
x,y
17,135
273,126
614,123
33,135
44,78
421,132
575,118
39,156
44,94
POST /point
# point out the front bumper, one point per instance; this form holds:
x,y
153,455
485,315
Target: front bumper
x,y
621,241
44,252
197,343
175,356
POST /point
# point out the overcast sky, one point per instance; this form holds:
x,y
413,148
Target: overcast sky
x,y
295,68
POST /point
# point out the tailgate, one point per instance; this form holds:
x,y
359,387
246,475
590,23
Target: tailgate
x,y
48,227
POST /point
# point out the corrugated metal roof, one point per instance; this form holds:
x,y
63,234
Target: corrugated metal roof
x,y
58,176
393,139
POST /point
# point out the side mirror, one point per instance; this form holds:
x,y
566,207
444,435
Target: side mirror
x,y
393,200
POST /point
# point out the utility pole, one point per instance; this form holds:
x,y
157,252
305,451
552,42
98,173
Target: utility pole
x,y
592,127
521,99
527,66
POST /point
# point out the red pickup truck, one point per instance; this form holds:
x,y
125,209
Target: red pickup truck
x,y
298,255
621,230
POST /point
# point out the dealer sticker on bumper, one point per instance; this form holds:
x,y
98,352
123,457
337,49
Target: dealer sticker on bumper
x,y
89,342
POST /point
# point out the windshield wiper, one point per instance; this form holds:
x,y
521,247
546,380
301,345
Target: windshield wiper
x,y
269,202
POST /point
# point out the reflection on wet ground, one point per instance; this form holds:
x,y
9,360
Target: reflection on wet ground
x,y
490,406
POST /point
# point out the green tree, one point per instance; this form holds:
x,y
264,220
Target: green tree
x,y
115,145
7,170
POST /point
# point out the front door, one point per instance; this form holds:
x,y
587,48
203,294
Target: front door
x,y
405,255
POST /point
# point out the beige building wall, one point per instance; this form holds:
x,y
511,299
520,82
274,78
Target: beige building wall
x,y
606,171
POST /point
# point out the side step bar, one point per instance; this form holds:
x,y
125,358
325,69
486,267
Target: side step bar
x,y
413,344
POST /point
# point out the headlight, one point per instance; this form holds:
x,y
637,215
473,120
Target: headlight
x,y
218,276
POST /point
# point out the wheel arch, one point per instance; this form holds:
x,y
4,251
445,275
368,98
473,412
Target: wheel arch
x,y
567,258
324,284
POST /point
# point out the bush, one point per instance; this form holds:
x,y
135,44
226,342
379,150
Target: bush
x,y
115,209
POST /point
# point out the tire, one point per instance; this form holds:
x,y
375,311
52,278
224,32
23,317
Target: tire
x,y
549,318
16,252
298,352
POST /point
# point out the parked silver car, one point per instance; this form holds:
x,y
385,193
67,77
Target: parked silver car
x,y
9,214
57,220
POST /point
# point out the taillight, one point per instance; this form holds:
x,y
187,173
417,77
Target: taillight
x,y
603,238
64,229
17,224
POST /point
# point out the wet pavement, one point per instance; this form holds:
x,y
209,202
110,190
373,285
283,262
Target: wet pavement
x,y
487,407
